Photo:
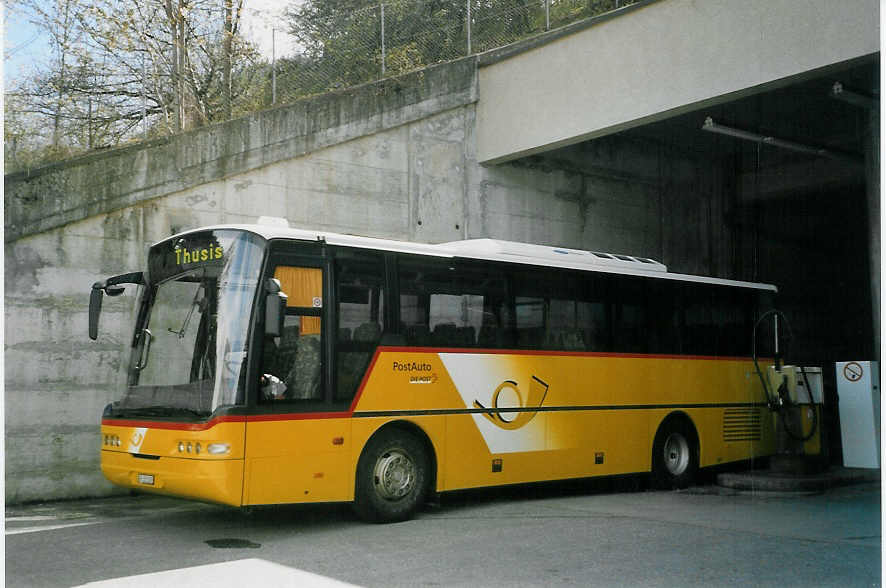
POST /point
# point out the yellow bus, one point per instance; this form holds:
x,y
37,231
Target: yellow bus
x,y
271,365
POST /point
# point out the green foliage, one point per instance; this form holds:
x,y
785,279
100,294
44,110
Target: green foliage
x,y
343,46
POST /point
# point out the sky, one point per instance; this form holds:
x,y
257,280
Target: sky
x,y
24,44
259,18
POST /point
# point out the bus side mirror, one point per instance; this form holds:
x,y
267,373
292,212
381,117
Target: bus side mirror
x,y
112,288
275,308
95,309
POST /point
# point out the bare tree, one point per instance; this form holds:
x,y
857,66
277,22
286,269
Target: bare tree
x,y
233,13
50,86
178,63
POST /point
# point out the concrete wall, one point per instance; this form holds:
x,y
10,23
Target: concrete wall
x,y
93,184
657,59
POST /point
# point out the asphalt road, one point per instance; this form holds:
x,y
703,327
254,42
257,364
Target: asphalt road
x,y
588,534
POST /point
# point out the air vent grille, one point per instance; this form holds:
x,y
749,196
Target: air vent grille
x,y
742,424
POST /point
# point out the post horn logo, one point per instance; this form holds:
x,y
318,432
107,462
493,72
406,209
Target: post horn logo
x,y
510,418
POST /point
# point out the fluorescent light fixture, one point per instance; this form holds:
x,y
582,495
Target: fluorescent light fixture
x,y
854,98
711,126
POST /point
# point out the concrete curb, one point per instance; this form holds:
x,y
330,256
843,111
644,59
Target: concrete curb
x,y
779,481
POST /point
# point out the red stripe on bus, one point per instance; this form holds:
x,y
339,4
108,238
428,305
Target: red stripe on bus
x,y
365,379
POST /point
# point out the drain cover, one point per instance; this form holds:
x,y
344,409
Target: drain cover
x,y
229,543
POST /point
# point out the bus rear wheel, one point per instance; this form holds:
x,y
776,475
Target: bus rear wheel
x,y
392,477
674,454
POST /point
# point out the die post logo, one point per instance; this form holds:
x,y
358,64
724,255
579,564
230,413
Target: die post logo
x,y
513,417
419,372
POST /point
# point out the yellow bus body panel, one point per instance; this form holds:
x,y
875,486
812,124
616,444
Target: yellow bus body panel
x,y
298,460
598,413
572,415
149,452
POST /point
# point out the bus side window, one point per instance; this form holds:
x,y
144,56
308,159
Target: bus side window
x,y
442,305
699,333
291,365
360,296
664,318
594,312
558,311
733,312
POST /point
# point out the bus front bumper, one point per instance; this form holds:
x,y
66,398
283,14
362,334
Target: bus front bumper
x,y
212,480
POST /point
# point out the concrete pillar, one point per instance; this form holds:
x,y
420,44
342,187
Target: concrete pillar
x,y
872,179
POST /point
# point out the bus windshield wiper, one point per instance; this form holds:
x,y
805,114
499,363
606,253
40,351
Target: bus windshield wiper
x,y
159,411
195,304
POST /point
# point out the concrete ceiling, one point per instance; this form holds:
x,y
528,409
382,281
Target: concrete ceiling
x,y
801,111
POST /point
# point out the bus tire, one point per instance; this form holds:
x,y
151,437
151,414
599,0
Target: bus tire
x,y
392,477
674,454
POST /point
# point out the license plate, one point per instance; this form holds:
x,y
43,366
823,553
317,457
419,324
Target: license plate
x,y
147,479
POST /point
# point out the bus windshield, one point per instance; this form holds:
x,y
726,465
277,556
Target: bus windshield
x,y
190,344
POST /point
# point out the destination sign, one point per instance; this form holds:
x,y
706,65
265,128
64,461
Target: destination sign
x,y
184,256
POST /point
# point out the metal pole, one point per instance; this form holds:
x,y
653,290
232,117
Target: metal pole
x,y
383,40
144,98
547,15
469,27
273,66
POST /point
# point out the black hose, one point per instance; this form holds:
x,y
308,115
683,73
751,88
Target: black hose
x,y
772,399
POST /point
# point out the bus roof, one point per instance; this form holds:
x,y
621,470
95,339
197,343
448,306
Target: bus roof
x,y
490,250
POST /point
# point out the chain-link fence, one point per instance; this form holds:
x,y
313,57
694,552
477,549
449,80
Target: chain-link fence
x,y
335,48
399,36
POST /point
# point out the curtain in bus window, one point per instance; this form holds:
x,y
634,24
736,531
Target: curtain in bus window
x,y
304,288
360,295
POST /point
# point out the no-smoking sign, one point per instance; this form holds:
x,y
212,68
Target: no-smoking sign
x,y
853,371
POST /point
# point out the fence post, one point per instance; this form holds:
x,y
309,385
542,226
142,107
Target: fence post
x,y
144,98
469,27
383,59
273,66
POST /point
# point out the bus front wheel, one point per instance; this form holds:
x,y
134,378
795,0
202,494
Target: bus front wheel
x,y
674,454
392,477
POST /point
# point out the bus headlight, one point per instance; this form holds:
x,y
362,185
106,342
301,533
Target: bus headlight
x,y
218,448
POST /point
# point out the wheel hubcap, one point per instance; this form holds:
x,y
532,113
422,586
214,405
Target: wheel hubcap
x,y
394,475
676,454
